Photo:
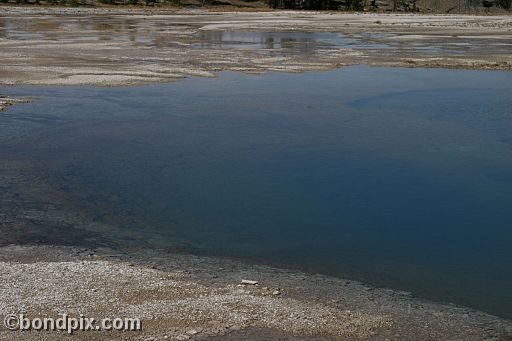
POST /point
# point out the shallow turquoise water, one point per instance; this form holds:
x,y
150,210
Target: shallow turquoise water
x,y
397,177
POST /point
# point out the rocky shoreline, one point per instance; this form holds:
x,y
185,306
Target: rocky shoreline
x,y
184,297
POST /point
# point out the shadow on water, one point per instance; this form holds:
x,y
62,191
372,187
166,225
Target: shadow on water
x,y
397,177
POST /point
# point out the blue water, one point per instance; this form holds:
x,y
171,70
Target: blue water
x,y
398,177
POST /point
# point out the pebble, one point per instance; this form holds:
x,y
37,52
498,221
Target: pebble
x,y
192,332
249,282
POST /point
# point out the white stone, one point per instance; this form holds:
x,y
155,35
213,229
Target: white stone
x,y
249,282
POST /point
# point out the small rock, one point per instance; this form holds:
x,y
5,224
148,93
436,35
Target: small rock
x,y
182,337
276,293
192,332
249,282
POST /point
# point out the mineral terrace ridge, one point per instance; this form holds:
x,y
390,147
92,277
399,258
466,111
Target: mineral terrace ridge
x,y
74,46
184,297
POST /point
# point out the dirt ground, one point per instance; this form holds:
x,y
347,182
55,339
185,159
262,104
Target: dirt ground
x,y
73,46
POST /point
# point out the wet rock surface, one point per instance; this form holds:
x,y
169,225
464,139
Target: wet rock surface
x,y
6,101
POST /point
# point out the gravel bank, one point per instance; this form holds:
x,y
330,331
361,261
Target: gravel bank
x,y
187,297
